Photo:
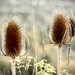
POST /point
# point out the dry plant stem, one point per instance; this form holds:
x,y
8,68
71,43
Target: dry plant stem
x,y
26,66
43,47
13,67
35,43
26,55
34,37
67,68
43,50
59,60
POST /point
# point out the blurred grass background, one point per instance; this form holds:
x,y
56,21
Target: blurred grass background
x,y
43,10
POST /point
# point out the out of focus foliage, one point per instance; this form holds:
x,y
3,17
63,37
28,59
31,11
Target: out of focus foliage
x,y
45,68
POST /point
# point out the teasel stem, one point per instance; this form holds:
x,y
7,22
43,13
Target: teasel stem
x,y
34,34
67,68
13,67
59,60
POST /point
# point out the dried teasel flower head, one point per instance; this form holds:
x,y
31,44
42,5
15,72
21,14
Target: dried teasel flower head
x,y
13,39
59,29
72,23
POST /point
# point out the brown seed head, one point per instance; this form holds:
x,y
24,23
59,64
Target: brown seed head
x,y
72,23
59,28
13,39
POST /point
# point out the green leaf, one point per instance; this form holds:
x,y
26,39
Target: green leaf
x,y
45,68
42,72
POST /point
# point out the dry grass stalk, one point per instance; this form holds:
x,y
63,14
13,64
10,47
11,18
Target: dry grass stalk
x,y
35,42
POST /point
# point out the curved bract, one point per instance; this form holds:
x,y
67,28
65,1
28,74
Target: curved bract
x,y
72,23
13,39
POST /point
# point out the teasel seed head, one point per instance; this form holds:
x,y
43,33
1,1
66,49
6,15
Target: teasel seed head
x,y
72,23
59,29
13,39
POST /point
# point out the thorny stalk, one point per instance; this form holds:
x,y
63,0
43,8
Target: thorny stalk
x,y
67,68
59,60
13,67
34,34
68,55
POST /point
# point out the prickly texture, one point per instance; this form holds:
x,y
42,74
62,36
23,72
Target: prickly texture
x,y
72,23
13,39
59,28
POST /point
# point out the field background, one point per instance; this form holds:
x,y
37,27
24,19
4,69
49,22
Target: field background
x,y
43,10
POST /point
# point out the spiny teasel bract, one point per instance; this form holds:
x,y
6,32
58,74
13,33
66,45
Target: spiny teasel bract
x,y
13,39
72,23
59,29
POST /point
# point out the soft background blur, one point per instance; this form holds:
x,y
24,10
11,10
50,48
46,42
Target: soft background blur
x,y
43,10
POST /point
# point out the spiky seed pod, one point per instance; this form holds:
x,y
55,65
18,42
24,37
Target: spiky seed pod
x,y
72,23
13,39
59,27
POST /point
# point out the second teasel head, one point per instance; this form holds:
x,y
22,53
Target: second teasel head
x,y
13,39
59,29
